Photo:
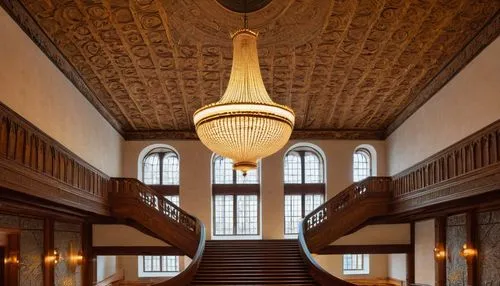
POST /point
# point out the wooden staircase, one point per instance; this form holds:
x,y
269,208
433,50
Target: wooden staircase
x,y
252,262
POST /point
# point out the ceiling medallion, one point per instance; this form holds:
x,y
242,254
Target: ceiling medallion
x,y
245,125
245,6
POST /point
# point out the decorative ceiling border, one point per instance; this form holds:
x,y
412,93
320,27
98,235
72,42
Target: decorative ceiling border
x,y
19,13
296,134
483,38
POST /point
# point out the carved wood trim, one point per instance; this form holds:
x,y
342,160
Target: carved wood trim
x,y
366,249
35,164
296,135
136,250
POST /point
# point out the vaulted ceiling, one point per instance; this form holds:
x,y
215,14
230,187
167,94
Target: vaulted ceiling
x,y
348,68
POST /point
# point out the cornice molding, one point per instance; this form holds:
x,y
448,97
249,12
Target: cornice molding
x,y
485,36
296,134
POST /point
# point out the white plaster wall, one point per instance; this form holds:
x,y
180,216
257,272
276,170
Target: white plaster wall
x,y
396,266
106,266
378,234
424,255
333,264
469,102
34,88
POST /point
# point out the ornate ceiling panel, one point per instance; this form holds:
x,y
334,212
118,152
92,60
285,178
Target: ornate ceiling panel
x,y
349,69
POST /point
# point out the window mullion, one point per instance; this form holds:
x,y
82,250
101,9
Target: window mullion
x,y
161,156
235,232
302,167
303,205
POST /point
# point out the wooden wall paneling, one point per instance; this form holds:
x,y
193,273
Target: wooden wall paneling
x,y
440,238
48,245
89,258
365,249
35,164
410,257
12,269
472,242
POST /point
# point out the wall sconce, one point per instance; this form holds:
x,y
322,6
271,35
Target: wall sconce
x,y
467,252
13,258
439,253
75,257
54,257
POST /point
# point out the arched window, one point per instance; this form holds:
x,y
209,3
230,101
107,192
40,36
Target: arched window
x,y
160,170
235,199
161,167
362,162
304,185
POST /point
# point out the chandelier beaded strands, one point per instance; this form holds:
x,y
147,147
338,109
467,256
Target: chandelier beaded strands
x,y
245,125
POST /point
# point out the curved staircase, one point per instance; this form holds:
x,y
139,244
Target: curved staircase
x,y
249,262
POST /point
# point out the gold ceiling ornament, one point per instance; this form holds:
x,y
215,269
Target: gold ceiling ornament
x,y
245,125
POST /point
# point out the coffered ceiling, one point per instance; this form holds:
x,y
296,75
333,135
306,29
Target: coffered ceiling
x,y
348,68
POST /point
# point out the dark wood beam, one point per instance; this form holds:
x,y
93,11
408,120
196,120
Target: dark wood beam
x,y
48,245
88,275
472,233
440,243
366,249
410,257
136,250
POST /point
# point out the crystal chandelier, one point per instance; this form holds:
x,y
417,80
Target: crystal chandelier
x,y
245,125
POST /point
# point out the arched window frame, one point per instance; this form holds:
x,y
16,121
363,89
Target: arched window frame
x,y
163,153
160,265
227,190
302,196
360,173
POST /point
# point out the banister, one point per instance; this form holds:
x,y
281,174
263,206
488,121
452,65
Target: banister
x,y
317,272
130,187
353,193
186,276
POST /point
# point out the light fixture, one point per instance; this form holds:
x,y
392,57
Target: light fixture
x,y
13,258
439,253
54,257
467,252
245,125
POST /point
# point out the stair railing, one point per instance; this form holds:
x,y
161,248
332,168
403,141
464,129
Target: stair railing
x,y
315,270
188,231
368,188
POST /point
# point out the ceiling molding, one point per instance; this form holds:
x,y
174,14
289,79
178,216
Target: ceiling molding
x,y
17,11
296,134
486,35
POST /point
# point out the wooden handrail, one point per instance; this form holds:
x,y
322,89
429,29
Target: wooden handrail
x,y
346,198
129,187
186,276
317,272
115,277
186,229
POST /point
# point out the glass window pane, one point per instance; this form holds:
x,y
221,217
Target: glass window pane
x,y
247,214
170,169
223,209
223,170
312,202
151,169
353,262
293,166
252,177
313,168
361,165
293,213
